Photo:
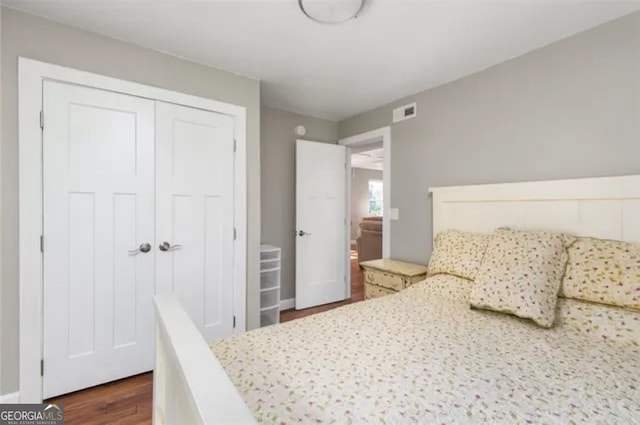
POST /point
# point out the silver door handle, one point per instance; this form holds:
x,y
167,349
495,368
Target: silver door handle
x,y
144,247
303,233
166,246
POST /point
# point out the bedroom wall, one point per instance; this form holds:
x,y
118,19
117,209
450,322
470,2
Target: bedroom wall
x,y
568,110
48,41
278,140
1,309
360,196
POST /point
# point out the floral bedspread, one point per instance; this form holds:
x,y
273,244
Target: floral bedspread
x,y
424,357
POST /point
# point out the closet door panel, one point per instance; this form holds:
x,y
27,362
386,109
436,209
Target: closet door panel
x,y
194,213
98,181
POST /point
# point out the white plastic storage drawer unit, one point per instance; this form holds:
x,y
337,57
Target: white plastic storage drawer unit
x,y
270,265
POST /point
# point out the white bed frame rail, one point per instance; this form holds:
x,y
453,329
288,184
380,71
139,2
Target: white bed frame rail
x,y
190,387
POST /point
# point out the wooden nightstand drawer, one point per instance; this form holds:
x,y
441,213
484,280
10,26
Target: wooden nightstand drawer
x,y
385,280
373,291
384,277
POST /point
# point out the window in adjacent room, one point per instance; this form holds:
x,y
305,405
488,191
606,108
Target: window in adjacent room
x,y
375,197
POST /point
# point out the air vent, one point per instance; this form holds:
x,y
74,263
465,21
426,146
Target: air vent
x,y
405,112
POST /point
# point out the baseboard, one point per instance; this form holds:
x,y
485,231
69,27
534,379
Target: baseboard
x,y
11,398
287,304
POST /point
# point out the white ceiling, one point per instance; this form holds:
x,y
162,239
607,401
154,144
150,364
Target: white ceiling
x,y
371,159
395,48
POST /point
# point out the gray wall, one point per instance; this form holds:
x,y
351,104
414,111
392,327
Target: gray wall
x,y
278,140
360,196
1,309
37,38
569,110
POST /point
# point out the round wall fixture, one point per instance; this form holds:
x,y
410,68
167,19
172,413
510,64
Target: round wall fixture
x,y
331,11
300,130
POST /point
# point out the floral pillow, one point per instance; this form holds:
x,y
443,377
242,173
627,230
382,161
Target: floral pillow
x,y
603,271
446,287
458,253
599,321
521,274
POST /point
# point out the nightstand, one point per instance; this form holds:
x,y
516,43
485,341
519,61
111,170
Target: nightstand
x,y
384,277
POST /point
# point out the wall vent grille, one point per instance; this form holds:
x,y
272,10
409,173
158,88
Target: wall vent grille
x,y
405,112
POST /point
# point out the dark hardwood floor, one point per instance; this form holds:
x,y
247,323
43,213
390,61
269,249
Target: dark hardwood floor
x,y
129,401
124,402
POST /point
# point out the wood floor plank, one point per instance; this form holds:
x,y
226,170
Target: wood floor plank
x,y
130,401
127,402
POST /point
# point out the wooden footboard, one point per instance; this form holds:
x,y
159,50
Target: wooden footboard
x,y
189,384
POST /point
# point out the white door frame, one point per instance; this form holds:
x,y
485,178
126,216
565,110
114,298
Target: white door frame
x,y
380,134
31,75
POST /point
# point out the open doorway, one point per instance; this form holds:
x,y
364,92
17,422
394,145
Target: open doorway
x,y
367,200
368,195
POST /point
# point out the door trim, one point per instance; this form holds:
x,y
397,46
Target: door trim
x,y
31,74
384,134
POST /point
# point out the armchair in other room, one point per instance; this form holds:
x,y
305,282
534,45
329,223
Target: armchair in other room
x,y
370,239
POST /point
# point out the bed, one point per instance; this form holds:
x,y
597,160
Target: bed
x,y
422,355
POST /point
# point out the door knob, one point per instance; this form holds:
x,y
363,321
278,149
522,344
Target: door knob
x,y
144,247
303,233
166,246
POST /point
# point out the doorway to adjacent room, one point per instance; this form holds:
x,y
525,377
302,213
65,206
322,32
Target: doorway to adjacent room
x,y
368,195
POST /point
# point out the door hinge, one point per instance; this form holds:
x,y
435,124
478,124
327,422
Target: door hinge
x,y
41,243
235,234
41,367
234,322
235,145
42,120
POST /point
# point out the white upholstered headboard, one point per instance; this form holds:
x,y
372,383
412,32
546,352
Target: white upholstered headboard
x,y
604,207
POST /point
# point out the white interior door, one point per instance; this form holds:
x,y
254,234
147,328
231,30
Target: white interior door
x,y
98,170
194,214
321,224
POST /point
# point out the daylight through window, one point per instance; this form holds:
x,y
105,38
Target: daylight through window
x,y
375,197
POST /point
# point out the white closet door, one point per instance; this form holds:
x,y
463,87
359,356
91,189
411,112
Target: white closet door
x,y
98,169
194,214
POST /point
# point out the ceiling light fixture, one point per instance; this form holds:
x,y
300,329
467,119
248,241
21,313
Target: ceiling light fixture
x,y
331,11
